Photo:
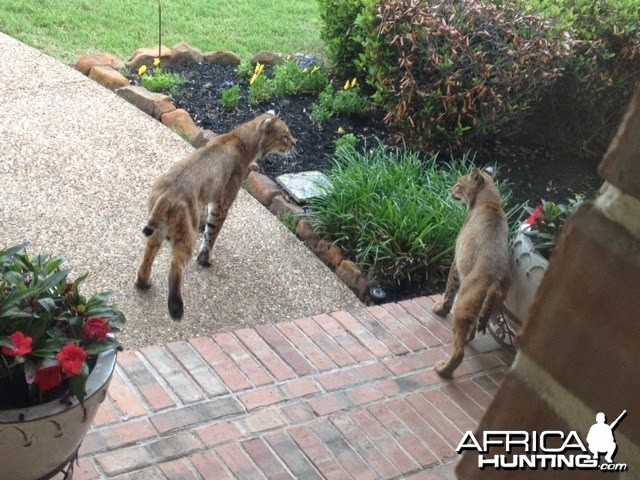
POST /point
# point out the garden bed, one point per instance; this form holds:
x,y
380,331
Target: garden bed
x,y
534,172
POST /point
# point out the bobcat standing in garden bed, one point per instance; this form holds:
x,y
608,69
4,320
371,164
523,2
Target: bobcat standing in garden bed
x,y
479,277
211,176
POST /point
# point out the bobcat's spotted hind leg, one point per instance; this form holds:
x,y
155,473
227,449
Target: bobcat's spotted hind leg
x,y
443,307
215,219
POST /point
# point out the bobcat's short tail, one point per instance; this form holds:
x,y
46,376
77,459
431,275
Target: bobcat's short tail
x,y
154,222
149,229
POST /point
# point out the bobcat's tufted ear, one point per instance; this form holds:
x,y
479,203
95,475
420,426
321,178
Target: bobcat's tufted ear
x,y
476,176
266,124
490,169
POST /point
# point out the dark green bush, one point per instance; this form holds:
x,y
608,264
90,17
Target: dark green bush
x,y
459,72
346,24
584,109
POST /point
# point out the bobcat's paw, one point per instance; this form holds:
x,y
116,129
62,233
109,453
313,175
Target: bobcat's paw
x,y
142,284
203,259
442,370
482,327
176,308
441,309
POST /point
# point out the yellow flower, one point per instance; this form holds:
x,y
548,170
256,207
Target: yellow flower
x,y
306,70
259,69
346,85
340,131
253,79
354,83
156,62
142,70
315,69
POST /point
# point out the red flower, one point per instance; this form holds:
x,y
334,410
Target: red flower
x,y
21,345
96,329
71,359
48,378
536,216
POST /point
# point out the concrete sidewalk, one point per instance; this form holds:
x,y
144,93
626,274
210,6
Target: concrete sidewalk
x,y
76,167
349,395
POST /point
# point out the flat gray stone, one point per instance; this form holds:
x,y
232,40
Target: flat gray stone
x,y
305,185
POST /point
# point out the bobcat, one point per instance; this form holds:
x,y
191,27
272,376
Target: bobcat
x,y
210,176
479,277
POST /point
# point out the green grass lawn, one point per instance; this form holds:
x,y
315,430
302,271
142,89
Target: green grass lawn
x,y
71,28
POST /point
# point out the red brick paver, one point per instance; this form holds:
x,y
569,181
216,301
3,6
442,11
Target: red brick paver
x,y
341,395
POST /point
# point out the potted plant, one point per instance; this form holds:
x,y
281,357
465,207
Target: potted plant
x,y
531,247
57,355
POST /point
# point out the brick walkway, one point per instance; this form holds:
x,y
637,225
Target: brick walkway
x,y
346,395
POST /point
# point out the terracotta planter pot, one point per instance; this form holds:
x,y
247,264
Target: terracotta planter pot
x,y
527,271
37,442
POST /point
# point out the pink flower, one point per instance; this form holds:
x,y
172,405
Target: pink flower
x,y
48,378
96,329
71,359
536,216
21,345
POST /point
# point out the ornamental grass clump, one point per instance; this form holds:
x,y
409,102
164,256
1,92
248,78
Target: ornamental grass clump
x,y
391,210
50,333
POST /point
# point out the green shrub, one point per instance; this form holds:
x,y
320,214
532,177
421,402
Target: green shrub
x,y
290,78
345,24
346,140
456,73
244,70
391,210
261,89
159,81
331,104
230,97
584,109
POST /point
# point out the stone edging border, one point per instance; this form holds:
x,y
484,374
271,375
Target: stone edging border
x,y
105,69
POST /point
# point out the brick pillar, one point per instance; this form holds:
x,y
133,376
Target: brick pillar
x,y
580,347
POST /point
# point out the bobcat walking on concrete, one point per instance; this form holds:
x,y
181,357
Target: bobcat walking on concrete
x,y
209,177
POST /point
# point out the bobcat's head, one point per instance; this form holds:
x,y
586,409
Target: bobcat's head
x,y
275,136
467,188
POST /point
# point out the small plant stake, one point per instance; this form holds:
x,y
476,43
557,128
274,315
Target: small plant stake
x,y
159,29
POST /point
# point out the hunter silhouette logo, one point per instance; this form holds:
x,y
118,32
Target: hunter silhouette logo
x,y
600,437
546,449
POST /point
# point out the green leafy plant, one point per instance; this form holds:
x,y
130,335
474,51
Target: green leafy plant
x,y
348,101
545,223
156,80
245,69
291,78
260,88
345,26
230,96
346,140
50,334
